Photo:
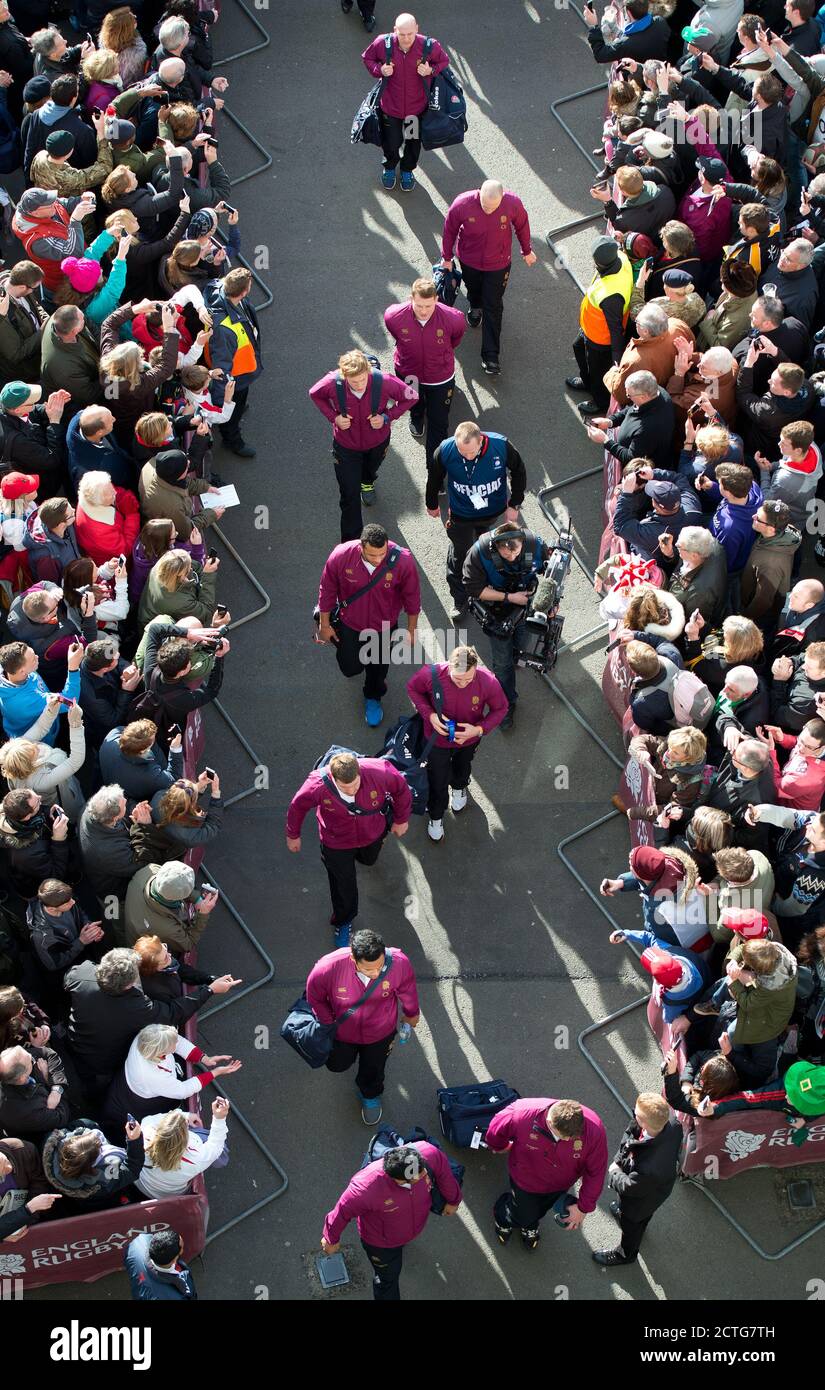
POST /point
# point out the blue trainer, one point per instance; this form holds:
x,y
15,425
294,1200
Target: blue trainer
x,y
407,181
388,179
373,713
342,934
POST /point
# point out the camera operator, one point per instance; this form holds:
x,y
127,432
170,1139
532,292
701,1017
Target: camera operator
x,y
501,572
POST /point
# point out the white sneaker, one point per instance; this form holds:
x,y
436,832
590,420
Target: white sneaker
x,y
435,829
458,799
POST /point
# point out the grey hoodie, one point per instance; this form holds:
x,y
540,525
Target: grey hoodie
x,y
795,488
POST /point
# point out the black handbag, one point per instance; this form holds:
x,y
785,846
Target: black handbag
x,y
366,127
310,1038
407,748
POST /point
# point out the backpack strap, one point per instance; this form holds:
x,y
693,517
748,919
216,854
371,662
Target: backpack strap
x,y
438,689
341,393
388,48
393,556
376,385
370,989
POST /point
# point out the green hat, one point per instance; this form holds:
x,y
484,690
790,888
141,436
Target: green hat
x,y
805,1088
18,393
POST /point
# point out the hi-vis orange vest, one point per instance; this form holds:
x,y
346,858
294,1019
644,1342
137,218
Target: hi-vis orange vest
x,y
243,362
591,319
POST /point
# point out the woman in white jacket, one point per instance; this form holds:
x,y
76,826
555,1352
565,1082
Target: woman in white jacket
x,y
26,763
150,1074
177,1149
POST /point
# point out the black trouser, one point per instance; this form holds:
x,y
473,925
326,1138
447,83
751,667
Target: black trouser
x,y
343,882
524,1209
503,652
462,533
386,1263
352,468
433,408
632,1232
350,663
371,1059
593,360
392,138
447,767
485,291
231,431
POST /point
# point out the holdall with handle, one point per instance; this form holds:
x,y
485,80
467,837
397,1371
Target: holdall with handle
x,y
366,127
310,1038
393,556
406,748
385,1139
464,1112
444,119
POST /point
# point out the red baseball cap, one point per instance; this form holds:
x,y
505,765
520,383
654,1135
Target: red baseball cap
x,y
665,968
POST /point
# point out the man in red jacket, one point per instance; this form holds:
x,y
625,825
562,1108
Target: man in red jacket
x,y
479,229
363,625
405,95
353,798
338,982
426,335
360,403
391,1200
472,704
550,1145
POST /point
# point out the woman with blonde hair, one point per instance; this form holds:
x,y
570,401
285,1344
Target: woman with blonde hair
x,y
740,643
178,1148
102,72
130,383
710,829
679,767
122,190
26,764
143,258
119,33
179,588
154,1071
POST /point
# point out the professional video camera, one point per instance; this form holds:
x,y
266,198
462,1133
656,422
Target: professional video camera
x,y
538,625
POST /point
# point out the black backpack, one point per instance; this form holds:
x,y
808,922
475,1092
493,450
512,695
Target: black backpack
x,y
366,127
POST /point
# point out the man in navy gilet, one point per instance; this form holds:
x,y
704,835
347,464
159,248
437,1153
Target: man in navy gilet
x,y
485,478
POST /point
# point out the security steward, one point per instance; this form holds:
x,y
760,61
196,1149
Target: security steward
x,y
501,571
476,467
602,324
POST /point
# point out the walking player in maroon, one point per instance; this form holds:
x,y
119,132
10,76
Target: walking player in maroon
x,y
472,704
364,587
405,95
360,404
426,335
391,1200
339,982
550,1145
353,798
479,229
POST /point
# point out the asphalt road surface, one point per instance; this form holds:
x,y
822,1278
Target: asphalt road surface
x,y
511,954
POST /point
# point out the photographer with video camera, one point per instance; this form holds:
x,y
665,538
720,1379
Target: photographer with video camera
x,y
500,575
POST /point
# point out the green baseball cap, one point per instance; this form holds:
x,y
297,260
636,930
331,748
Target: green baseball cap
x,y
18,393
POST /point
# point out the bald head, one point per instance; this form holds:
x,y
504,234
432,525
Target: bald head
x,y
172,71
491,193
806,594
405,31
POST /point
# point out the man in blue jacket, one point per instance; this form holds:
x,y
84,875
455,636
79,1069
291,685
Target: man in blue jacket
x,y
156,1271
91,446
732,523
674,504
476,467
24,694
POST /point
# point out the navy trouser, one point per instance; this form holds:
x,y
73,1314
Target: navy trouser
x,y
386,1261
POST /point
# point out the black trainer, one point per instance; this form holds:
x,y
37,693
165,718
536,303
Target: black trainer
x,y
531,1238
509,718
474,317
346,5
574,383
586,408
239,447
416,429
369,23
491,365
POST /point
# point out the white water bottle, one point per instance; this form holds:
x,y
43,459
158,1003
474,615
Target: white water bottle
x,y
404,1033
